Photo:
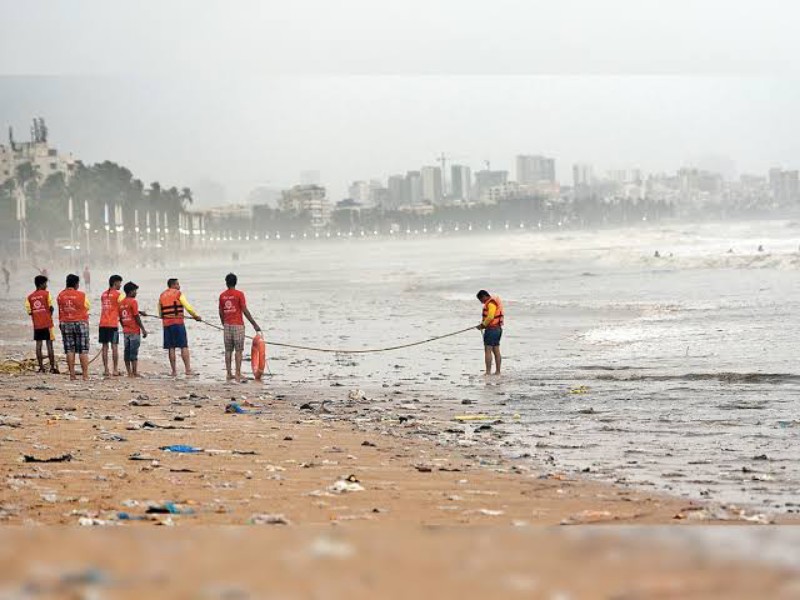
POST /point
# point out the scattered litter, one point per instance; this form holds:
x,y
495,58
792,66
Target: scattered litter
x,y
423,468
581,389
90,522
168,508
265,519
350,484
491,513
28,458
234,408
180,448
721,513
472,418
10,421
140,456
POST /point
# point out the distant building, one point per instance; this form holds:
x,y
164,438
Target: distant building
x,y
461,177
413,189
431,184
533,169
45,160
582,181
359,191
219,214
309,199
784,185
485,180
396,192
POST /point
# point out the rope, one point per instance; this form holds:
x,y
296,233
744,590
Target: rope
x,y
346,350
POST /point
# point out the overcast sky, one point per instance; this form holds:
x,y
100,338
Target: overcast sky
x,y
249,93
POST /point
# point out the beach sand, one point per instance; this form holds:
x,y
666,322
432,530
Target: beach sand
x,y
324,502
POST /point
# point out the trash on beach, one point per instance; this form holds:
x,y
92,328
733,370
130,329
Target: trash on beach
x,y
267,519
140,456
234,408
28,458
581,389
167,508
180,448
472,418
10,421
90,522
350,484
357,396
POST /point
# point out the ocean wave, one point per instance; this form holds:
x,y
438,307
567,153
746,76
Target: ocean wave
x,y
723,376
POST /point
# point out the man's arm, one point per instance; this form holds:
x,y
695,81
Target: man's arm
x,y
250,318
140,324
189,308
491,310
221,315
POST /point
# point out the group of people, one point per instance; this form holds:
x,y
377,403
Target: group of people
x,y
119,307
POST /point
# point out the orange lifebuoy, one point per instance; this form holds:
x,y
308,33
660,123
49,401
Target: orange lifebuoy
x,y
258,356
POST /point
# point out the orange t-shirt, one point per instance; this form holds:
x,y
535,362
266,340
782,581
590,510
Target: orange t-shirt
x,y
109,307
128,311
39,308
72,306
232,303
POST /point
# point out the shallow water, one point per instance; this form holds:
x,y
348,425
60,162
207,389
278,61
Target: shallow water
x,y
670,373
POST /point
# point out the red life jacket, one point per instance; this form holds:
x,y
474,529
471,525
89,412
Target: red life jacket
x,y
171,307
499,315
41,316
72,306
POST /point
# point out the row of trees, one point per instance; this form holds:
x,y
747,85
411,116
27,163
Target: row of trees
x,y
99,185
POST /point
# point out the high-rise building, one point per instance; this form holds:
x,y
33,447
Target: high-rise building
x,y
37,152
310,177
461,178
533,169
359,191
582,180
431,184
309,199
396,194
485,180
785,186
413,191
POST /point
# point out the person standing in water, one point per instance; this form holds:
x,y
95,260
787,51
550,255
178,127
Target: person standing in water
x,y
492,320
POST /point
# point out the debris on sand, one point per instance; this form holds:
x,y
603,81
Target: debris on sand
x,y
29,458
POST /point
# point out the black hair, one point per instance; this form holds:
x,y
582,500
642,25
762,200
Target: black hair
x,y
231,280
113,279
482,294
39,281
129,287
73,280
171,281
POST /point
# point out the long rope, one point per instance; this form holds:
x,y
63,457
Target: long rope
x,y
346,350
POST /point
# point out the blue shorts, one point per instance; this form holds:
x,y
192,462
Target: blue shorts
x,y
109,335
491,337
175,337
132,343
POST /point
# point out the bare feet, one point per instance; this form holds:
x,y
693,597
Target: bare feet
x,y
106,374
229,377
73,378
85,377
55,371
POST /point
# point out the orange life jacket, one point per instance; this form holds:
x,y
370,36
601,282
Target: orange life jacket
x,y
72,306
499,315
171,307
40,309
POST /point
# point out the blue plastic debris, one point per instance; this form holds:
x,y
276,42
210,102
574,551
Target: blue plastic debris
x,y
182,448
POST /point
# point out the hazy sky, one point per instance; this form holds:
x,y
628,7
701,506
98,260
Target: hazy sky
x,y
249,93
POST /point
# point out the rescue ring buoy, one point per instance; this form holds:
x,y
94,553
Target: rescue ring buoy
x,y
258,357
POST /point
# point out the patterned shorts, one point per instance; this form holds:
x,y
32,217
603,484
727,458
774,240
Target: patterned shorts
x,y
75,336
234,338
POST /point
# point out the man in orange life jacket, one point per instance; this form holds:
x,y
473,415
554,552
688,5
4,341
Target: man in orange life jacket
x,y
109,322
171,306
232,306
73,317
39,305
492,326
